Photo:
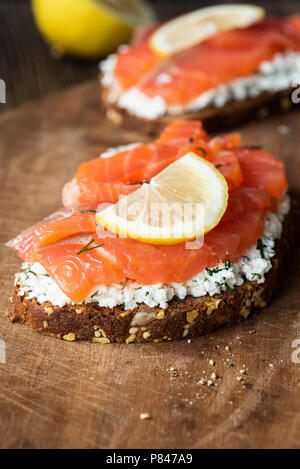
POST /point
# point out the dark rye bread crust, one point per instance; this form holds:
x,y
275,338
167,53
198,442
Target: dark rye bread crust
x,y
182,319
213,119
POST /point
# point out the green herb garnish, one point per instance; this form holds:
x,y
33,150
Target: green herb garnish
x,y
147,293
88,211
86,247
218,166
228,288
140,182
29,271
214,271
255,274
260,247
202,149
179,299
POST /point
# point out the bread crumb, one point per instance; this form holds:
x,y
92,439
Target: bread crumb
x,y
145,416
160,315
69,337
202,381
101,340
130,339
48,310
191,316
211,362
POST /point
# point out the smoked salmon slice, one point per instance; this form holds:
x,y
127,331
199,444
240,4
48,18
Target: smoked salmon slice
x,y
261,169
228,241
224,57
107,179
133,63
77,266
246,199
59,225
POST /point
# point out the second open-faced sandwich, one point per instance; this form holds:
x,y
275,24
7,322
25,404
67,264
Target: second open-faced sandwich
x,y
158,241
223,65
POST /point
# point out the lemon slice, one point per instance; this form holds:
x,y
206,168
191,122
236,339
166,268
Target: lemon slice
x,y
190,29
184,201
89,28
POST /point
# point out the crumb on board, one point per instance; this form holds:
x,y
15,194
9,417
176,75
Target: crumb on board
x,y
145,416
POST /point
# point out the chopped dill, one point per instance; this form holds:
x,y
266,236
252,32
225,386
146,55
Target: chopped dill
x,y
140,182
179,299
260,247
255,274
86,247
214,271
88,211
29,271
228,288
202,149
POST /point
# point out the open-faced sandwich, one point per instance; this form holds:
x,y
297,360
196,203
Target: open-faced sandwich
x,y
223,65
198,239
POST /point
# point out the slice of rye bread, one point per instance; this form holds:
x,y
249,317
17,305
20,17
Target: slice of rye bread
x,y
182,319
213,118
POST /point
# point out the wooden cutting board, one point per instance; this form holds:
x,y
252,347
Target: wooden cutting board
x,y
55,394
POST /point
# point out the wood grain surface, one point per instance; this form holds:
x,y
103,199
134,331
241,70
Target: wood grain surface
x,y
55,394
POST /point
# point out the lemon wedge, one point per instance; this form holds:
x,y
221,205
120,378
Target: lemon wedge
x,y
183,202
190,29
89,28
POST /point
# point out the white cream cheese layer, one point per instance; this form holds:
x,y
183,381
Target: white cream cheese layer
x,y
276,75
34,282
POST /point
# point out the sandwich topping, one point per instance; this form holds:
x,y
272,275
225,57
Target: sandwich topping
x,y
227,66
71,256
272,76
34,282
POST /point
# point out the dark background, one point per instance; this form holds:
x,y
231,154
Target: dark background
x,y
30,71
